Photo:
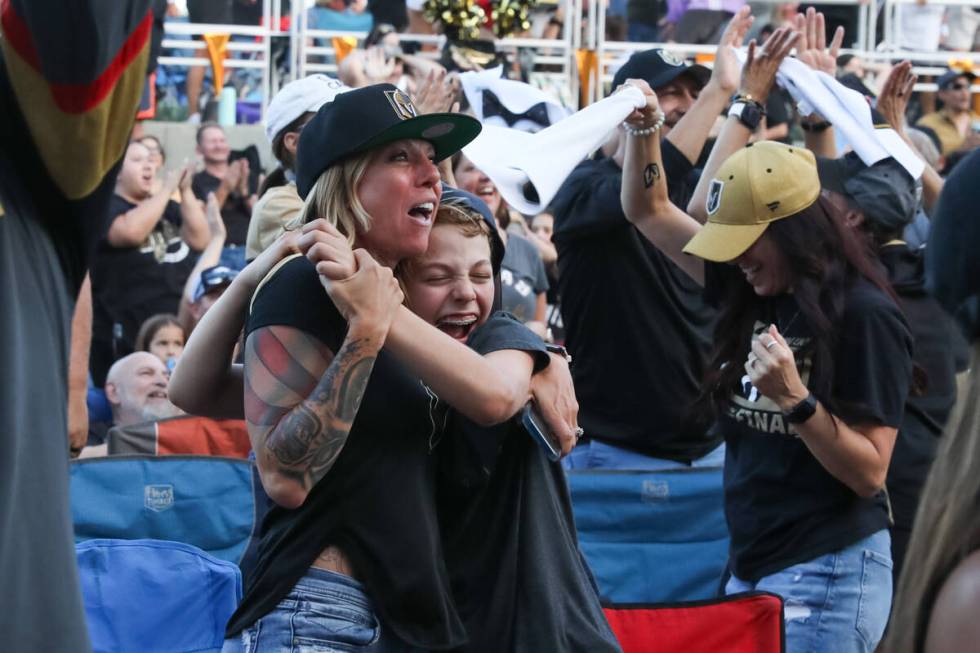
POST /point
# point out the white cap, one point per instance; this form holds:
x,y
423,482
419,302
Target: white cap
x,y
297,97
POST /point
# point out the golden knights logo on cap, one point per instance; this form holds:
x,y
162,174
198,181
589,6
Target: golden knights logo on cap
x,y
402,104
714,196
671,58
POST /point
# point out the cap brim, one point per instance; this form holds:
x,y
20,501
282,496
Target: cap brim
x,y
832,173
722,243
700,74
448,133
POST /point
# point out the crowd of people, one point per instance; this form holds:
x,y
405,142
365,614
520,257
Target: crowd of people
x,y
723,284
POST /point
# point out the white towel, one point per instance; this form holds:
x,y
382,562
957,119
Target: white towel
x,y
512,159
847,111
515,96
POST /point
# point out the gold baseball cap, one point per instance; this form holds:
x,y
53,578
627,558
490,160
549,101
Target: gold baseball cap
x,y
763,182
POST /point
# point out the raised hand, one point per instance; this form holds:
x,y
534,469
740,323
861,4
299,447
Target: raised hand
x,y
369,299
762,62
895,94
812,49
186,176
727,73
212,211
436,94
328,249
647,115
377,66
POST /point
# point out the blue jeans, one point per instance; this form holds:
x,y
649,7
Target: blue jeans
x,y
593,454
837,602
323,612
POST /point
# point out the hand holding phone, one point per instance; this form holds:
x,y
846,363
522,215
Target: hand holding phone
x,y
540,433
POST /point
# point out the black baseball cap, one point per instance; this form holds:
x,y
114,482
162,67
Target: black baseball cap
x,y
659,67
885,192
367,117
212,278
474,203
951,76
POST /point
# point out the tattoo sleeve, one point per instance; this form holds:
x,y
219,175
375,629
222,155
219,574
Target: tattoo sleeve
x,y
301,401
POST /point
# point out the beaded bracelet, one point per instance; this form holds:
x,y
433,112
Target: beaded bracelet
x,y
646,131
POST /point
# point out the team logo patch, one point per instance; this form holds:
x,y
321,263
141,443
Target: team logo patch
x,y
671,58
158,497
714,196
402,105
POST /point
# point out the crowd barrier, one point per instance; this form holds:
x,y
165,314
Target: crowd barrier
x,y
554,63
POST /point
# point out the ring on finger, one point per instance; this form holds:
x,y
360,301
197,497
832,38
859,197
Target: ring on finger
x,y
771,344
579,432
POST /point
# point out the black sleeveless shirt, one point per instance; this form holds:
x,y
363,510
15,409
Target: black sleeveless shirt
x,y
377,503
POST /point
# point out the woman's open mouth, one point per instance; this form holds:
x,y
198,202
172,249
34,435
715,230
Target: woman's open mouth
x,y
422,213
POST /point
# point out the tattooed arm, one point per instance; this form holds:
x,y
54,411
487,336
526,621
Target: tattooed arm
x,y
644,193
300,399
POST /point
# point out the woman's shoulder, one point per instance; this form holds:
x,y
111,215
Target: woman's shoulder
x,y
953,623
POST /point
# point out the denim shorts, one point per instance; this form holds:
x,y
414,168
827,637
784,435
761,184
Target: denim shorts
x,y
324,612
836,602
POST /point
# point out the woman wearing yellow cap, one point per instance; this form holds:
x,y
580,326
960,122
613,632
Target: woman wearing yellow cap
x,y
810,371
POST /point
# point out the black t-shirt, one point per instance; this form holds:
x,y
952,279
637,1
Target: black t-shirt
x,y
377,503
130,284
636,324
777,110
782,506
938,346
519,579
235,212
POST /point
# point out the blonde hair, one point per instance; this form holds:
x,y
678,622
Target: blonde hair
x,y
334,197
946,527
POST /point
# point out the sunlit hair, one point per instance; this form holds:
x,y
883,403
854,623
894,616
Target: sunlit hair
x,y
452,212
334,197
946,528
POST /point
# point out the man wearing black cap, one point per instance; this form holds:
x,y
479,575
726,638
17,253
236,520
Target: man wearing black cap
x,y
637,325
881,200
956,125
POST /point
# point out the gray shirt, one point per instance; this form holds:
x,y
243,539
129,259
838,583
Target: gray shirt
x,y
522,277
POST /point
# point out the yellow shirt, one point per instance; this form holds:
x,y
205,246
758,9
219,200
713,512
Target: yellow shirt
x,y
949,136
276,209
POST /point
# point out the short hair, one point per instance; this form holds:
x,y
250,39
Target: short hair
x,y
151,137
334,196
204,127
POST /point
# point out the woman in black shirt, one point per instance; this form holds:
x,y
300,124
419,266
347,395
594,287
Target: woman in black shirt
x,y
811,369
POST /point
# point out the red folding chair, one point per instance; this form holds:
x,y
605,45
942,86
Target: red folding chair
x,y
750,622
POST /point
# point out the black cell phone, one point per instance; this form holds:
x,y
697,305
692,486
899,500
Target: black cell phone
x,y
540,432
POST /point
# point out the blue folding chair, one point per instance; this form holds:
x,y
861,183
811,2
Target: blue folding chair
x,y
156,597
652,537
207,501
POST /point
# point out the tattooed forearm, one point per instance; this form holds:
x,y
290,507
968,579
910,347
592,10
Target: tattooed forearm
x,y
651,175
305,441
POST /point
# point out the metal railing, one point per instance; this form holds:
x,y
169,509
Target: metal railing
x,y
554,61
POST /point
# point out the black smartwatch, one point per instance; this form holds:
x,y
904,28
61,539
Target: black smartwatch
x,y
802,411
748,112
558,349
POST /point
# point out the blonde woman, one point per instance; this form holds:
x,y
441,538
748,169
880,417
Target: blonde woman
x,y
351,554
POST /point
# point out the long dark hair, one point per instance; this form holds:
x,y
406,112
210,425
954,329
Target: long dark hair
x,y
825,258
